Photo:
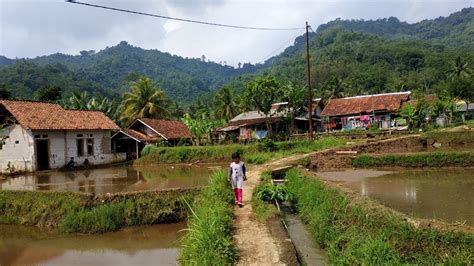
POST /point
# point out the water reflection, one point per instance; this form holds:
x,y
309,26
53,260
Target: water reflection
x,y
113,179
445,194
149,245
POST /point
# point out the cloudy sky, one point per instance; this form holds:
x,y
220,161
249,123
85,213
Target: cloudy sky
x,y
29,28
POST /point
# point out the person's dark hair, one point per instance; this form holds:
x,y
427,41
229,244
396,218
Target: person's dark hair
x,y
235,155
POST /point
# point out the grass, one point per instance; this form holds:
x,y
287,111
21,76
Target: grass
x,y
208,240
357,231
425,159
73,212
254,154
456,137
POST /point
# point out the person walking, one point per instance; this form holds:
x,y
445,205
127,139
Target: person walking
x,y
237,176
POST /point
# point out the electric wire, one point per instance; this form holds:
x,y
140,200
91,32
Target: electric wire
x,y
183,19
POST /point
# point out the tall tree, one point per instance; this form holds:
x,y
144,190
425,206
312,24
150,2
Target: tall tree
x,y
261,93
336,87
225,104
144,100
296,97
49,93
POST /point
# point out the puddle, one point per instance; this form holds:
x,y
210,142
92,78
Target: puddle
x,y
445,194
143,245
113,179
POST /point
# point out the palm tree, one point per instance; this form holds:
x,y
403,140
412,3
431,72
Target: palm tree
x,y
460,68
225,104
145,100
336,87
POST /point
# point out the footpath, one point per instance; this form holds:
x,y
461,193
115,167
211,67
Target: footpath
x,y
255,244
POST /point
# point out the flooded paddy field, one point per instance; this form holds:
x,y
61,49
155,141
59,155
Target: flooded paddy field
x,y
142,245
446,194
123,178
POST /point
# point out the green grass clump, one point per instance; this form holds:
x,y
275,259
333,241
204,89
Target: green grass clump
x,y
255,153
208,240
74,212
425,159
357,231
43,208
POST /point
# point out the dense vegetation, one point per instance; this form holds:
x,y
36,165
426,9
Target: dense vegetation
x,y
357,231
108,71
455,30
208,240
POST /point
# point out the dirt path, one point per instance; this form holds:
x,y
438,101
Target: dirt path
x,y
255,244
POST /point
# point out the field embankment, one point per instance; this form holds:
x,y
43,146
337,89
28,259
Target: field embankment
x,y
423,159
254,153
355,230
208,240
86,213
428,149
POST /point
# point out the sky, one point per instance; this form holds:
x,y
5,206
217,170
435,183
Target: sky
x,y
30,28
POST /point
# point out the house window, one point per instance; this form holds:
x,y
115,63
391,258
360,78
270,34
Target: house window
x,y
17,142
80,135
45,136
37,136
90,146
80,147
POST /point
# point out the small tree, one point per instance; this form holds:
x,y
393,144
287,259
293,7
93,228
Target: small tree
x,y
49,93
296,97
261,93
199,128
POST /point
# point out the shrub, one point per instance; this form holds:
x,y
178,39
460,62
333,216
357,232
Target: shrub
x,y
269,192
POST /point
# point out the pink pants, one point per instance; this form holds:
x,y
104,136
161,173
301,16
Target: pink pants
x,y
238,195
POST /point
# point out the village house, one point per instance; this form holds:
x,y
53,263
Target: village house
x,y
254,122
140,132
360,112
40,136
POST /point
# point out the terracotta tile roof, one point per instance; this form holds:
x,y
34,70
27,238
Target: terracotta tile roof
x,y
390,102
168,128
141,136
51,116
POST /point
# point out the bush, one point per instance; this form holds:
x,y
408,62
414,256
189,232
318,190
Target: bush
x,y
269,192
354,231
208,240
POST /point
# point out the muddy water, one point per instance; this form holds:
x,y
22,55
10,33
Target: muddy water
x,y
445,194
113,179
151,245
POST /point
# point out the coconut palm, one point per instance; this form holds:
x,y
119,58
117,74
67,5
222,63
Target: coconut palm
x,y
144,100
460,68
336,87
225,104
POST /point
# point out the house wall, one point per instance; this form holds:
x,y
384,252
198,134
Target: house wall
x,y
62,146
18,150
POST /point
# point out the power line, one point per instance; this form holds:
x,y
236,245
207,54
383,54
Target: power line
x,y
182,19
270,55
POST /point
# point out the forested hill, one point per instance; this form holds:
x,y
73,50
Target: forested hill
x,y
455,30
108,72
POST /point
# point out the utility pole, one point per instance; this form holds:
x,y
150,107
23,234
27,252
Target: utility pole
x,y
310,96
